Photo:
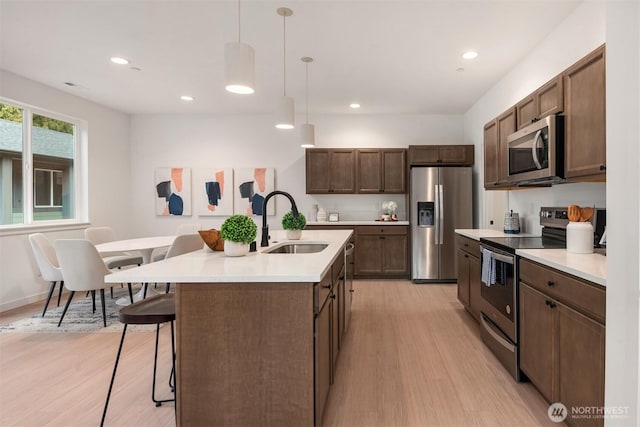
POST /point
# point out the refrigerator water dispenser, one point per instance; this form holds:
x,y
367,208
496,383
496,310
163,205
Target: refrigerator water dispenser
x,y
426,214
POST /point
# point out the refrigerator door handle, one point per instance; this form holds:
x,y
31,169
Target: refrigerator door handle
x,y
441,213
436,213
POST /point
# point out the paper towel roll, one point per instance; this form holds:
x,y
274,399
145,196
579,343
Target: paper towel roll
x,y
580,237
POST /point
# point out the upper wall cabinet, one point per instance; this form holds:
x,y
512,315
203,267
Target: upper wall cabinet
x,y
330,171
441,155
349,171
585,145
495,150
547,100
381,170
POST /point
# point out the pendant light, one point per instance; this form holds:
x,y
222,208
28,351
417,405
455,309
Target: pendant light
x,y
307,131
239,59
285,108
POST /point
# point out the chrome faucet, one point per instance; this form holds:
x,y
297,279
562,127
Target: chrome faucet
x,y
265,227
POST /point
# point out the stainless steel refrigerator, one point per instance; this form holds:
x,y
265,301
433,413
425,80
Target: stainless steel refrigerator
x,y
441,201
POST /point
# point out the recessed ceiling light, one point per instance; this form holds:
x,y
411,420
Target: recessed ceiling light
x,y
186,98
354,105
470,54
119,61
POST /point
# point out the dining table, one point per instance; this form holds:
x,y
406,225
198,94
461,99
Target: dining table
x,y
143,245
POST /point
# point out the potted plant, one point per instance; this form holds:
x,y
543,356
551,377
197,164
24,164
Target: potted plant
x,y
238,231
293,225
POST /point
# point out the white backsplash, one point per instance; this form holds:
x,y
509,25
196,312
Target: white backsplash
x,y
354,207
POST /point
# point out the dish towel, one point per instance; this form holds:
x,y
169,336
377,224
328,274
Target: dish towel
x,y
488,268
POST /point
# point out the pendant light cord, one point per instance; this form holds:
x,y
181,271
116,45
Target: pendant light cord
x,y
307,88
284,62
238,21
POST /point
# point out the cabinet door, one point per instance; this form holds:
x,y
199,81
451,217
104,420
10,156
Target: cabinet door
x,y
506,126
424,155
456,154
463,277
394,254
317,171
526,111
335,334
369,171
581,356
474,286
322,359
368,254
491,156
538,341
394,171
550,98
585,145
342,171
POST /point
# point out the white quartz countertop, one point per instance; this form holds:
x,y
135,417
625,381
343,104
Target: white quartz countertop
x,y
357,222
478,233
206,266
591,267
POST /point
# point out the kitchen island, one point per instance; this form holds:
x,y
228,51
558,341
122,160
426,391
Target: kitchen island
x,y
257,337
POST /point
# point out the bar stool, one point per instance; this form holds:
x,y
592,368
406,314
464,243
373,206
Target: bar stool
x,y
154,310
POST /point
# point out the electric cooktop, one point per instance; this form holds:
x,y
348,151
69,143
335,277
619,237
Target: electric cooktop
x,y
510,244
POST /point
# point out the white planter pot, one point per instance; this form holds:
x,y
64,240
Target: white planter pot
x,y
235,248
294,234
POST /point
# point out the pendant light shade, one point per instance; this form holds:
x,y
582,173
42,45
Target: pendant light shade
x,y
307,131
285,107
285,113
239,61
307,135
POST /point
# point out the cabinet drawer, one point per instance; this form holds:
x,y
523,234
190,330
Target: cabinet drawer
x,y
468,245
580,295
321,293
384,230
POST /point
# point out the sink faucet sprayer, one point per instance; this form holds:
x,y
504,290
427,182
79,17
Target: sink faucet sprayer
x,y
265,227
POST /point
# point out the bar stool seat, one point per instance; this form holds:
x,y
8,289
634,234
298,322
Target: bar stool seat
x,y
157,309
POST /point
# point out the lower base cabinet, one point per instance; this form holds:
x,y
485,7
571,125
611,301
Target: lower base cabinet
x,y
381,251
469,273
562,340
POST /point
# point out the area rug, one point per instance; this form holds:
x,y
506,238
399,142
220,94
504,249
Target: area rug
x,y
80,317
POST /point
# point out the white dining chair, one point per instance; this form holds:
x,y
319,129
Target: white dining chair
x,y
82,269
184,228
97,235
183,244
47,263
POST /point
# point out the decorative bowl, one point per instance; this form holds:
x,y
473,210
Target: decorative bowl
x,y
212,239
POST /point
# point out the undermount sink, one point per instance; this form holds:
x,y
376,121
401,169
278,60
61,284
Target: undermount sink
x,y
297,248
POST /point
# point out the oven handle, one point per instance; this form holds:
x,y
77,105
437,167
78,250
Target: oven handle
x,y
503,342
504,258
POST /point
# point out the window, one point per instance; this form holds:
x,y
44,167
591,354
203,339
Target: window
x,y
46,144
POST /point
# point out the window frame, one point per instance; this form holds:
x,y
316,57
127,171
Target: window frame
x,y
80,173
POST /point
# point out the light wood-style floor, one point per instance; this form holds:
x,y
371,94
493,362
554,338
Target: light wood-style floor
x,y
411,357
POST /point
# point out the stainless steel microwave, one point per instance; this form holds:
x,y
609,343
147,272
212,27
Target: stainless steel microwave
x,y
536,152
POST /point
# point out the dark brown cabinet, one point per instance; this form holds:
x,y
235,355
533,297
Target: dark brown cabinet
x,y
381,171
562,338
495,150
585,122
468,258
437,155
547,100
381,251
330,171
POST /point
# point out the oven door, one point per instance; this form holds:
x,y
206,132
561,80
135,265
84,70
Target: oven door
x,y
499,300
532,151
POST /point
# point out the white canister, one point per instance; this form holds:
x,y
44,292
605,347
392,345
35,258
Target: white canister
x,y
580,237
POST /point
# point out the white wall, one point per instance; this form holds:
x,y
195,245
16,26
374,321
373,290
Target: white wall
x,y
623,203
250,141
579,34
109,196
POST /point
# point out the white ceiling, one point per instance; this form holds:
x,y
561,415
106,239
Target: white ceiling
x,y
392,56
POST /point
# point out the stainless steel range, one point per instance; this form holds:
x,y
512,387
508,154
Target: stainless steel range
x,y
499,290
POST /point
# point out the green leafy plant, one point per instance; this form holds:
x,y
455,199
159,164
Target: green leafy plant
x,y
290,222
239,228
